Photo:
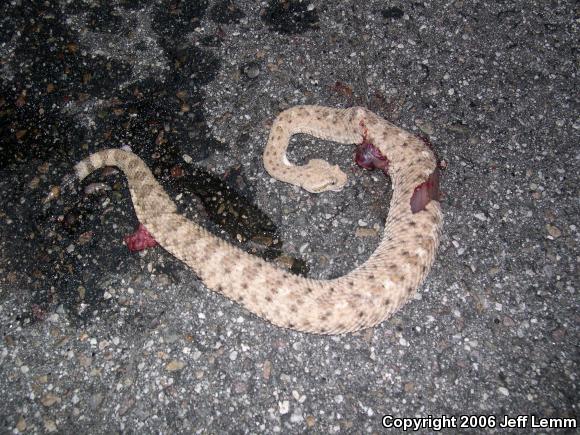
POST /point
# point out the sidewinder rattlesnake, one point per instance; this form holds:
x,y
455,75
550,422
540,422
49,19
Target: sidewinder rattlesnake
x,y
360,299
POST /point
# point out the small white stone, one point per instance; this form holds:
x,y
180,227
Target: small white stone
x,y
504,391
296,417
284,407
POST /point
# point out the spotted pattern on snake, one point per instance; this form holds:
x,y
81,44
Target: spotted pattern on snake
x,y
360,299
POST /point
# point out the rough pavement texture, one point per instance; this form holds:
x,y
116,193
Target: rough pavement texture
x,y
97,339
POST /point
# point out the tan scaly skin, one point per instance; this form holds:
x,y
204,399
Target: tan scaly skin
x,y
360,299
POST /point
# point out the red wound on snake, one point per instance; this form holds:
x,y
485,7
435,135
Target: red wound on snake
x,y
368,156
425,192
140,240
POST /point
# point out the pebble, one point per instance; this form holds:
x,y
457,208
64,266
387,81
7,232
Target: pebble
x,y
553,231
49,399
252,70
504,391
508,321
96,187
366,232
174,365
49,425
284,407
296,416
267,369
54,193
21,425
34,182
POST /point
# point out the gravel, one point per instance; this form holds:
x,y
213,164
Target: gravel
x,y
95,339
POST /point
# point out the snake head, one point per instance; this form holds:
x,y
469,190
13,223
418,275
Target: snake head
x,y
320,176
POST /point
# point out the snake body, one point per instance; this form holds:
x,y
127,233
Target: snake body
x,y
363,297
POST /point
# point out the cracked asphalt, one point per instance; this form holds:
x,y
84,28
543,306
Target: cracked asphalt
x,y
96,339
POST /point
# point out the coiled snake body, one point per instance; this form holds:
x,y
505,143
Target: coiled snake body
x,y
363,297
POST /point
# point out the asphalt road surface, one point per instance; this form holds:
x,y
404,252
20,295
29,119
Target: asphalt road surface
x,y
97,339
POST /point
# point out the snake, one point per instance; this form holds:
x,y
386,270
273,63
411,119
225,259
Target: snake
x,y
359,299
